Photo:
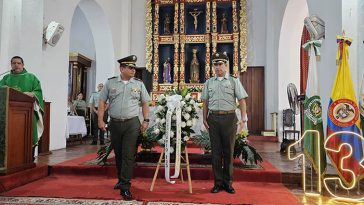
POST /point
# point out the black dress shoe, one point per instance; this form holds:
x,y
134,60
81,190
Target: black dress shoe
x,y
216,189
117,185
230,189
126,194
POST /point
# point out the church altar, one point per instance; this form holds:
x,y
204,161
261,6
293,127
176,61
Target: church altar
x,y
181,37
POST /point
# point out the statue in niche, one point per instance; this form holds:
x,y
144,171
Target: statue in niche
x,y
167,72
224,22
167,23
195,14
194,68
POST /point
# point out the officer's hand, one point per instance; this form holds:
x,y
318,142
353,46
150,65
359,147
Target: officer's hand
x,y
102,125
144,126
242,126
206,124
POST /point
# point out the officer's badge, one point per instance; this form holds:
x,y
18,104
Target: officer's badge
x,y
313,110
135,90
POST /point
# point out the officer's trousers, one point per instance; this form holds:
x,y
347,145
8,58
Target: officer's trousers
x,y
222,132
96,132
124,137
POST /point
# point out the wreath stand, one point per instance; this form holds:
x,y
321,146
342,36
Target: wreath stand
x,y
187,164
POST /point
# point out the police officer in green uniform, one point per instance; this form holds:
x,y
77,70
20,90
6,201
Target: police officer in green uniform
x,y
219,103
94,103
125,94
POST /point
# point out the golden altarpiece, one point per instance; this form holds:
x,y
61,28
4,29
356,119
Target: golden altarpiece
x,y
181,36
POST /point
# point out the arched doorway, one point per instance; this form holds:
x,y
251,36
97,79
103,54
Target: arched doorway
x,y
289,51
91,36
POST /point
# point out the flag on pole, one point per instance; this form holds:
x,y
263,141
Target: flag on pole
x,y
343,115
313,112
361,105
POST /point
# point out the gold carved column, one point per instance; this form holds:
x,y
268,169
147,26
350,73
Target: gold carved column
x,y
235,40
156,45
208,39
182,44
243,36
176,45
149,36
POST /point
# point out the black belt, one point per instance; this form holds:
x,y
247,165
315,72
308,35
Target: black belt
x,y
222,112
121,120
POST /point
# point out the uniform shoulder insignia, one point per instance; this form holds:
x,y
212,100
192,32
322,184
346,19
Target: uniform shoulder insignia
x,y
112,77
137,79
232,76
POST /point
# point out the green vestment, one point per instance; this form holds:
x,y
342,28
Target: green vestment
x,y
28,82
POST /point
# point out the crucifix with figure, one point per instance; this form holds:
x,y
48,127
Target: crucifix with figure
x,y
195,14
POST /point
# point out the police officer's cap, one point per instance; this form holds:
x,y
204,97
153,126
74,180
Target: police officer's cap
x,y
219,58
128,61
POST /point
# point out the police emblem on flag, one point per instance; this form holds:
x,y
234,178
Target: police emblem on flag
x,y
313,111
344,112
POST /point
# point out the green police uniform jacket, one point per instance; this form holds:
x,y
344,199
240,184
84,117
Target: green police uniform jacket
x,y
221,95
124,99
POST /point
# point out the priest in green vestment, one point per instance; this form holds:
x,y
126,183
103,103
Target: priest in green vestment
x,y
19,79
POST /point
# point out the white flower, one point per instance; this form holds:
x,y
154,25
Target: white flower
x,y
161,141
174,117
187,116
156,131
188,96
189,123
188,109
160,108
183,103
183,124
171,150
186,138
162,121
172,133
192,101
157,120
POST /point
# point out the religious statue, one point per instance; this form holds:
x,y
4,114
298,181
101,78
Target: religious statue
x,y
167,22
167,72
195,68
195,14
224,22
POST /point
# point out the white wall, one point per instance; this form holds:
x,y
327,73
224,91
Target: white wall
x,y
138,31
123,24
11,23
257,19
275,12
55,60
350,26
81,39
1,16
360,43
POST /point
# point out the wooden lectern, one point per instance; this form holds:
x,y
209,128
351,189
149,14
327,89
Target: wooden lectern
x,y
16,118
